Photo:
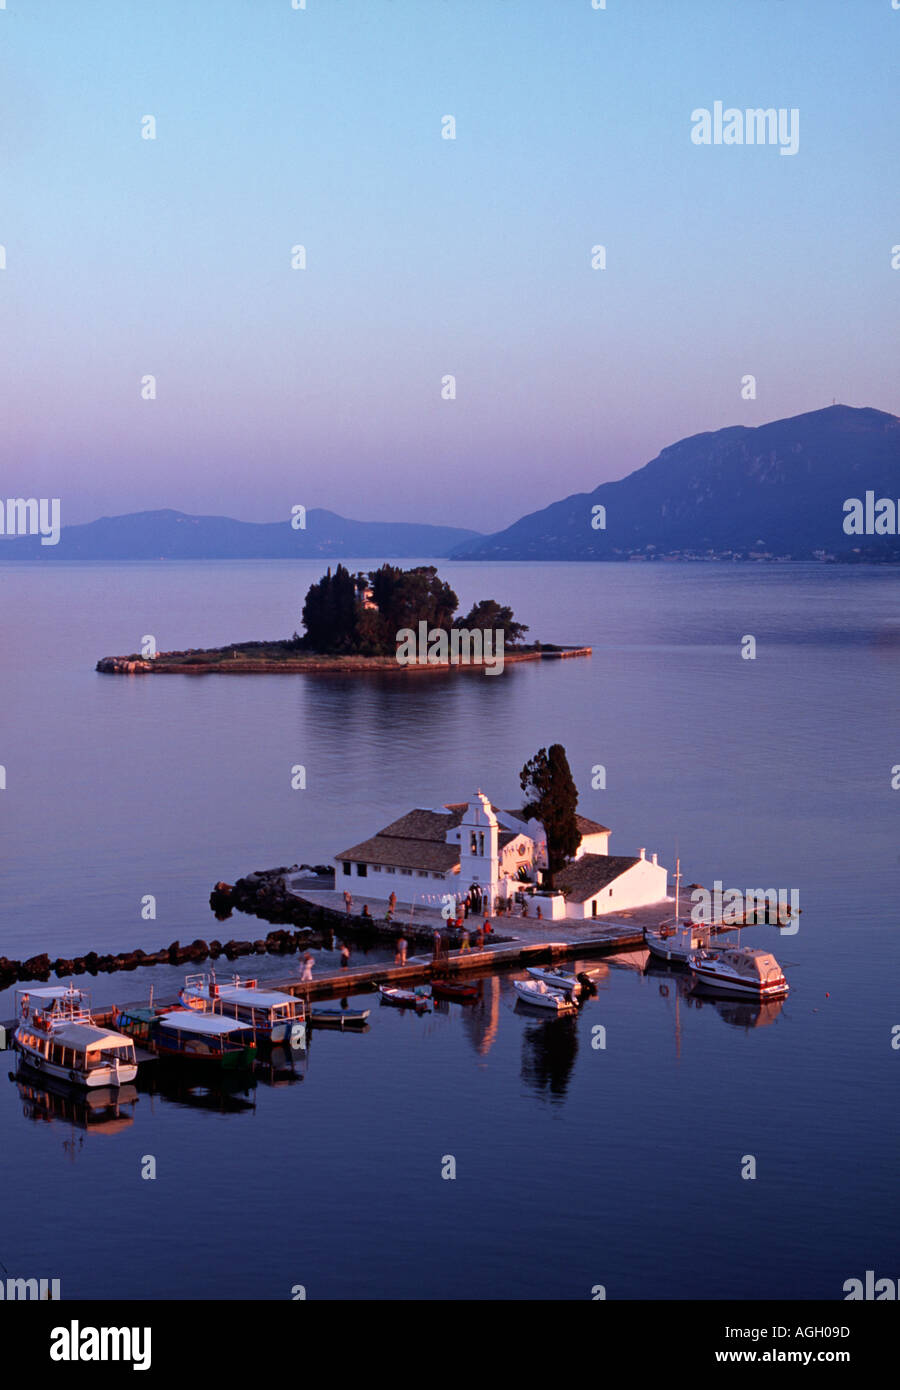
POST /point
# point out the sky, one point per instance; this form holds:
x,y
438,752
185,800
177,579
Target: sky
x,y
427,257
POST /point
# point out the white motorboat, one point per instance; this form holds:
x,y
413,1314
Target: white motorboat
x,y
557,978
57,1036
740,971
274,1016
539,993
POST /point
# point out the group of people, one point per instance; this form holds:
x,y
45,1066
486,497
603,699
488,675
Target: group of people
x,y
471,904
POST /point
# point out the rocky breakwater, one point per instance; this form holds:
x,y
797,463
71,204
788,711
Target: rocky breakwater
x,y
123,665
41,967
265,894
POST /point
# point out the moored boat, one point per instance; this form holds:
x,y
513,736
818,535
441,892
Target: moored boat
x,y
454,989
338,1018
539,993
190,1036
56,1035
557,977
740,971
404,998
676,941
274,1016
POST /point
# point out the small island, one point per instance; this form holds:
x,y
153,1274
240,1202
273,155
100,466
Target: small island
x,y
389,620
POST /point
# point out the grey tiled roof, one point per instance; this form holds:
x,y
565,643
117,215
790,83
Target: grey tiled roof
x,y
586,876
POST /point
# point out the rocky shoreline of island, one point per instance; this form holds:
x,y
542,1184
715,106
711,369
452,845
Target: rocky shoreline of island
x,y
236,661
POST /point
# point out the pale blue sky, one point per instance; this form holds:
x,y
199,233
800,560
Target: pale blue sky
x,y
428,256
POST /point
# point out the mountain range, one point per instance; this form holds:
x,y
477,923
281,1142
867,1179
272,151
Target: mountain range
x,y
171,535
777,489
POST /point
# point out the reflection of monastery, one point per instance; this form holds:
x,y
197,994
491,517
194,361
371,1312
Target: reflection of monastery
x,y
474,845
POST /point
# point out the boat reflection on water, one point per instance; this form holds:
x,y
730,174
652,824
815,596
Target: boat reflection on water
x,y
101,1110
227,1093
278,1067
549,1051
741,1013
679,984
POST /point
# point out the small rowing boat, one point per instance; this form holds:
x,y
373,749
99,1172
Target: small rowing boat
x,y
454,989
404,998
338,1018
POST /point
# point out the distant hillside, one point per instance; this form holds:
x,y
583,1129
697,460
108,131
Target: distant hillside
x,y
170,535
776,489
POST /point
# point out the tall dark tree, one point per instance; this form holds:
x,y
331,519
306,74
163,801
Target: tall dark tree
x,y
489,615
546,779
330,613
407,597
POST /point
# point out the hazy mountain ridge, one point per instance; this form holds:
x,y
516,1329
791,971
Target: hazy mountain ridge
x,y
174,535
777,488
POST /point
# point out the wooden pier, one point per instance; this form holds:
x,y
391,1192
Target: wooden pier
x,y
421,969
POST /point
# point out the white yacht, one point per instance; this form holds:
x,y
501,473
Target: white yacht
x,y
740,971
57,1036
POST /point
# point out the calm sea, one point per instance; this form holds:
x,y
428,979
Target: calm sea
x,y
576,1166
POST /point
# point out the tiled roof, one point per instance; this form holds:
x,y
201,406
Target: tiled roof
x,y
590,827
586,876
404,853
425,825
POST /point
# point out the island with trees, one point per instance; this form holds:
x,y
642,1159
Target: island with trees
x,y
351,622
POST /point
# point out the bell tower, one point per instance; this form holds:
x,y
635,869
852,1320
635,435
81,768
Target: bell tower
x,y
479,834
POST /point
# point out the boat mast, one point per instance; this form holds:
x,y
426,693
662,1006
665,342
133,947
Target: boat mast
x,y
677,887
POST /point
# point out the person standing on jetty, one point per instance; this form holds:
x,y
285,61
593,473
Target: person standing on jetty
x,y
348,902
392,903
308,961
345,956
400,957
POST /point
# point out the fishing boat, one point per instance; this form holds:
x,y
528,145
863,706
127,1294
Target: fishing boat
x,y
404,998
274,1016
557,977
190,1036
56,1035
339,1018
740,971
675,942
454,989
539,993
